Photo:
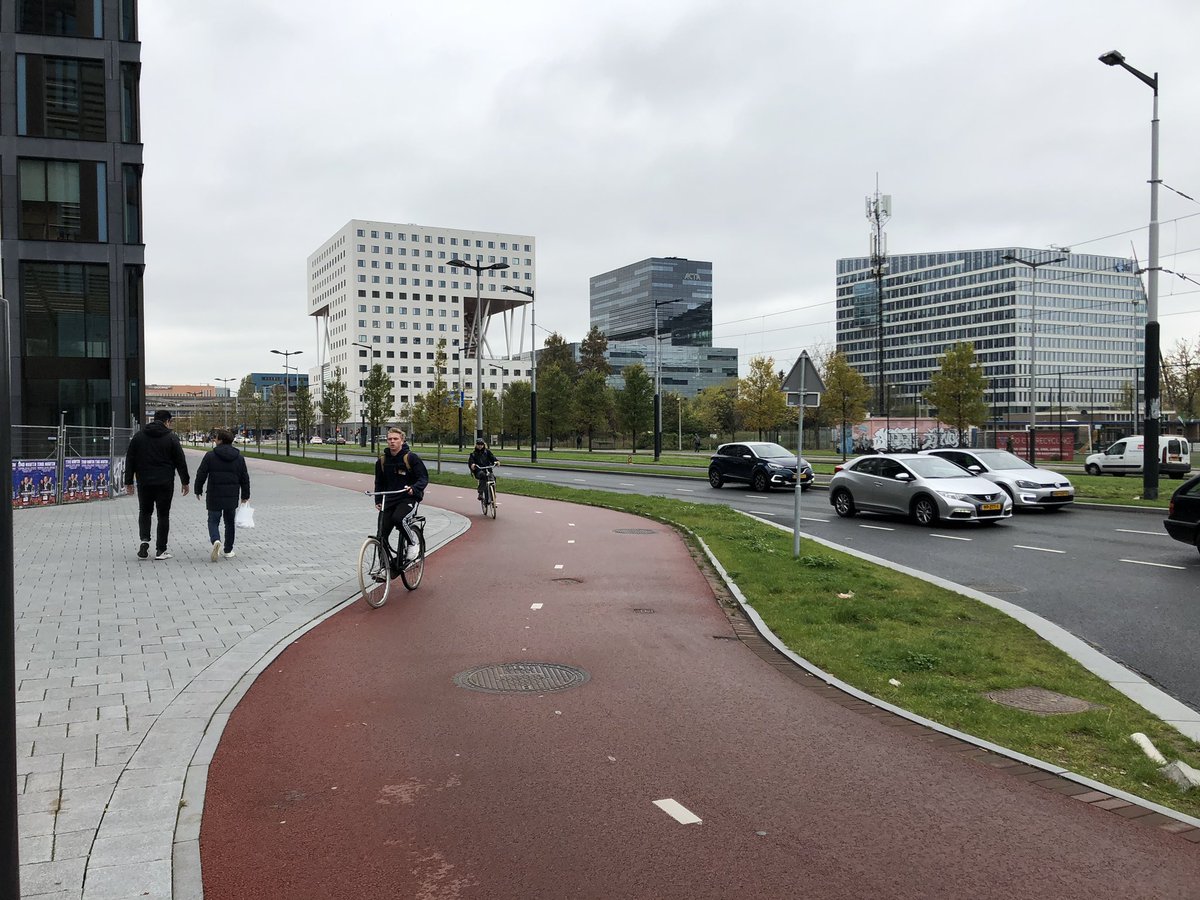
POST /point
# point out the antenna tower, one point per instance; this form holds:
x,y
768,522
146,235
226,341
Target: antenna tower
x,y
879,211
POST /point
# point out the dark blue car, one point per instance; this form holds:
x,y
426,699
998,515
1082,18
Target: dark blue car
x,y
760,464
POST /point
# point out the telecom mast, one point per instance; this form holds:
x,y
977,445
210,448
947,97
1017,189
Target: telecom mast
x,y
879,210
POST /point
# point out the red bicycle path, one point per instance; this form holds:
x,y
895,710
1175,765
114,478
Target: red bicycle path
x,y
354,767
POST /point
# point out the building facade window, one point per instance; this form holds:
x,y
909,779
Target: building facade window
x,y
131,129
63,200
65,310
60,98
70,18
131,177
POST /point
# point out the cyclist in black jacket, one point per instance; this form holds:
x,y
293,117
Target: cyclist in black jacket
x,y
399,469
481,456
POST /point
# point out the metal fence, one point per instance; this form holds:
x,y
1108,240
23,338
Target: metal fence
x,y
69,464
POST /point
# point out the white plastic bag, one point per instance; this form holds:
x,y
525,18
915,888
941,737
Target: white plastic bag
x,y
244,517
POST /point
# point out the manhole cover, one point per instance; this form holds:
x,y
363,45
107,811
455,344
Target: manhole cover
x,y
642,609
634,531
521,678
567,580
1040,701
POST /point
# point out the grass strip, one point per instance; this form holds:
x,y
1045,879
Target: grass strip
x,y
866,624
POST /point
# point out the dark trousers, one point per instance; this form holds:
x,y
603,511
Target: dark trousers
x,y
393,518
214,525
155,498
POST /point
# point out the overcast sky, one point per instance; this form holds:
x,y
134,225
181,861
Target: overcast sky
x,y
743,133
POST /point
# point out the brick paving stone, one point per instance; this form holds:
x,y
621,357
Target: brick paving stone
x,y
121,665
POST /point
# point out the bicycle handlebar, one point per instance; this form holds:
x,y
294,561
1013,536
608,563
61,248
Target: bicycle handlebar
x,y
385,493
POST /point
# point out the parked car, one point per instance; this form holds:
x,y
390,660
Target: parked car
x,y
1126,457
760,464
337,440
241,439
927,488
1183,515
316,439
1027,486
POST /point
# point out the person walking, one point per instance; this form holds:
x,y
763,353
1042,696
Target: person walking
x,y
224,470
400,470
154,456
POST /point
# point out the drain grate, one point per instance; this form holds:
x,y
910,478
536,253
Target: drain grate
x,y
634,531
1040,701
642,609
521,678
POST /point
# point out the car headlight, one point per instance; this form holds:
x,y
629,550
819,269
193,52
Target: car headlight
x,y
1028,485
950,495
775,468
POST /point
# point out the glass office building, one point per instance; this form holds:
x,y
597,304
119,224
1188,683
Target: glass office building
x,y
70,210
1082,321
624,303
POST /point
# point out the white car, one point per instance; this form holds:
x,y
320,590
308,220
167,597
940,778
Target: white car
x,y
241,439
1028,486
316,439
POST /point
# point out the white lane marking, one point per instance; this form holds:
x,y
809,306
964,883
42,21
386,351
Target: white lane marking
x,y
1135,531
571,542
756,496
1039,549
678,811
877,527
684,491
810,519
536,606
579,480
537,512
951,537
559,566
759,512
541,476
1138,562
626,484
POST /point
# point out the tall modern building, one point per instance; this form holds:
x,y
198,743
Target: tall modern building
x,y
382,293
1080,321
70,209
671,299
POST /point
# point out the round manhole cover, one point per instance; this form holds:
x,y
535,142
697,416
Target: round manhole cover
x,y
1040,701
521,678
634,531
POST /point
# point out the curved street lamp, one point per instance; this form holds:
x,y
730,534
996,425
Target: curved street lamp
x,y
287,400
478,269
235,399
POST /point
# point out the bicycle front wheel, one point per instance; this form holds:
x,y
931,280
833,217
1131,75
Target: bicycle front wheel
x,y
490,510
373,576
412,571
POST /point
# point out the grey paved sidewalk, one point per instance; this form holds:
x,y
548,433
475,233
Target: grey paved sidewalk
x,y
125,669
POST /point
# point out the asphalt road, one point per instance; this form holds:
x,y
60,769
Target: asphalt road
x,y
1112,577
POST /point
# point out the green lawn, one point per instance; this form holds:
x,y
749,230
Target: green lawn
x,y
867,625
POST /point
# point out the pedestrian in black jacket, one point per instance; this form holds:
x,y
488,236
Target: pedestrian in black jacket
x,y
154,456
224,469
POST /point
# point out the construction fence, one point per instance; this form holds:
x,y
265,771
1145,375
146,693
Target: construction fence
x,y
70,464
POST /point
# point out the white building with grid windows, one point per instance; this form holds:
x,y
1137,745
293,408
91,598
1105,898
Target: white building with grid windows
x,y
387,286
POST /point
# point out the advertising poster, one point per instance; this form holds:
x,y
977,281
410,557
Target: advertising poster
x,y
85,478
32,482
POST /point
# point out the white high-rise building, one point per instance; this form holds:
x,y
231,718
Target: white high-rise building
x,y
387,286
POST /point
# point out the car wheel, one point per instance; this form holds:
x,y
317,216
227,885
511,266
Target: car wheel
x,y
714,478
924,511
1092,469
843,504
1009,491
759,482
804,487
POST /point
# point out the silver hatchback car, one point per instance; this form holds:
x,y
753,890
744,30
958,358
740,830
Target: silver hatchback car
x,y
910,484
1029,486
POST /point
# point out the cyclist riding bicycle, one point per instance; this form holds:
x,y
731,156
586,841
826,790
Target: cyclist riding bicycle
x,y
481,456
399,469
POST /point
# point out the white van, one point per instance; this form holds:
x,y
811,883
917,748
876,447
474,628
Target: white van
x,y
1125,457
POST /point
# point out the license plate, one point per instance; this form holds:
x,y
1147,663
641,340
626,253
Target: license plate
x,y
990,507
1061,494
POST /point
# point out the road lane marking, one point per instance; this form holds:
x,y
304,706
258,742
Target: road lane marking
x,y
684,491
1138,562
951,537
756,496
1039,549
541,476
570,524
759,512
678,811
559,566
1135,531
536,606
877,527
625,484
811,519
579,480
571,541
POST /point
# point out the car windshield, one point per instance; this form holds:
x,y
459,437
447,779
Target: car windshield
x,y
1002,459
771,451
935,467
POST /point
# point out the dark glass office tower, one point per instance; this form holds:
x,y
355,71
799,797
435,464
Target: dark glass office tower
x,y
71,209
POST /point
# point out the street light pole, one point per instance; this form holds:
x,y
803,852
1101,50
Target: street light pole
x,y
1152,405
533,370
362,410
10,868
1033,347
235,415
658,380
287,400
478,269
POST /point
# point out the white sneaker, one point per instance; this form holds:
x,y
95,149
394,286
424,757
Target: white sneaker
x,y
216,551
166,554
411,552
230,554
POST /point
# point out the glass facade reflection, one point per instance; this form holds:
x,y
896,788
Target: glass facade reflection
x,y
624,303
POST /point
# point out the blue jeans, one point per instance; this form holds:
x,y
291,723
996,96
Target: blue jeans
x,y
214,521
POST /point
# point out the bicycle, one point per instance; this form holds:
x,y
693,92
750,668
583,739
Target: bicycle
x,y
487,488
376,556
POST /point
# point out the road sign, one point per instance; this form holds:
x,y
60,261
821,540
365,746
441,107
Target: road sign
x,y
804,379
